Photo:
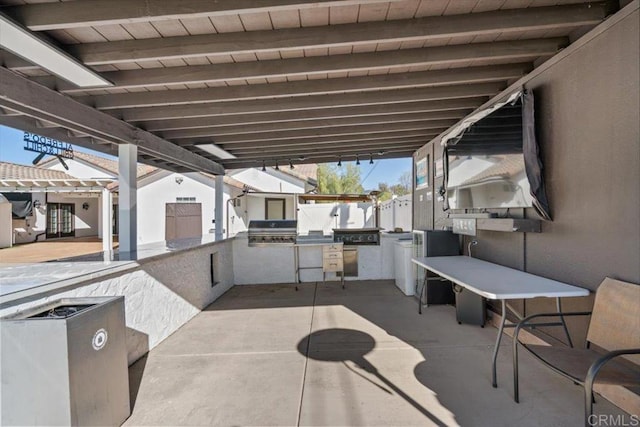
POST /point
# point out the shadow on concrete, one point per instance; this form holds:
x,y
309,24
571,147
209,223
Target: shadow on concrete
x,y
136,371
362,344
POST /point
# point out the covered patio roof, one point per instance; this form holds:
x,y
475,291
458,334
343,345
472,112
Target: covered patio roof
x,y
202,85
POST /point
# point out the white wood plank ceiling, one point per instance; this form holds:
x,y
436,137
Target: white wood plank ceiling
x,y
290,80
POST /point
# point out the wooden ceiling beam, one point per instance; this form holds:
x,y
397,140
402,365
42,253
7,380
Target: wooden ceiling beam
x,y
228,137
86,13
513,51
364,146
448,116
363,151
315,158
313,102
29,124
482,74
32,99
251,145
428,28
440,109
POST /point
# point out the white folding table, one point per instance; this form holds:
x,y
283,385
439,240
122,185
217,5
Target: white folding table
x,y
501,283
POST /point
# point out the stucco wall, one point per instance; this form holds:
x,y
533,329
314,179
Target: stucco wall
x,y
153,197
80,170
587,107
256,205
86,221
161,295
270,180
6,229
327,216
396,213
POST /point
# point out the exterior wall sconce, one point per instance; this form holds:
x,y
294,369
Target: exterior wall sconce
x,y
85,206
179,180
37,204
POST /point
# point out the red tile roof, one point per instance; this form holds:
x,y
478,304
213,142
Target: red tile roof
x,y
14,171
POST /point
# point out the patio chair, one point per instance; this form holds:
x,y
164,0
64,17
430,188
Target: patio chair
x,y
612,351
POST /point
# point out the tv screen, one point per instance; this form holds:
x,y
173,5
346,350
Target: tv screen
x,y
491,160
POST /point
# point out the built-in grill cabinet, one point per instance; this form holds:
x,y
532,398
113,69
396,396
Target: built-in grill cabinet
x,y
357,236
272,232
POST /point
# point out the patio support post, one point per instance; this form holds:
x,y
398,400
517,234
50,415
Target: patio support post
x,y
219,206
107,224
127,199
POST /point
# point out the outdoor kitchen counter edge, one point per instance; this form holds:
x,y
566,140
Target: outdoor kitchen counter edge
x,y
24,282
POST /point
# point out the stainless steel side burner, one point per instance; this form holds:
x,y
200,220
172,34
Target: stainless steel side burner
x,y
357,236
272,232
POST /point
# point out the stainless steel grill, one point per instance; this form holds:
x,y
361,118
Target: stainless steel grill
x,y
272,232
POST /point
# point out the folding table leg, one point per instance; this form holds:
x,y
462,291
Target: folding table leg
x,y
494,378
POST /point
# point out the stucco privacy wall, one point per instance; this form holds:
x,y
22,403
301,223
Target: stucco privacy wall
x,y
587,106
161,294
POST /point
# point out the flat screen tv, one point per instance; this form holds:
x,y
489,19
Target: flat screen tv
x,y
492,159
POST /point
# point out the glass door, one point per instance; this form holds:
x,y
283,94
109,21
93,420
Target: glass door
x,y
60,220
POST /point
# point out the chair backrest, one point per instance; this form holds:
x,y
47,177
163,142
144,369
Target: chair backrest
x,y
615,322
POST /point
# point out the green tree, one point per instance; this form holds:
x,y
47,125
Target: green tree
x,y
387,191
333,180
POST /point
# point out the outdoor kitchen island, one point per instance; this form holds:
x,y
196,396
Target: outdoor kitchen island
x,y
251,264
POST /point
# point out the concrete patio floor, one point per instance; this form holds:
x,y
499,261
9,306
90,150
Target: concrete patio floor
x,y
53,249
271,355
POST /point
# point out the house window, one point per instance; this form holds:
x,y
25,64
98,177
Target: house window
x,y
274,208
185,199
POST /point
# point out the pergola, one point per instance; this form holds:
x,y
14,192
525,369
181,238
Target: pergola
x,y
209,86
69,186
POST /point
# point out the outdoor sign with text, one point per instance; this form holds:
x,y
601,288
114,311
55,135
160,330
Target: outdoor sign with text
x,y
45,145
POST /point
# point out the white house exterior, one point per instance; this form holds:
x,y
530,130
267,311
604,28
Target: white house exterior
x,y
170,205
71,204
284,180
158,188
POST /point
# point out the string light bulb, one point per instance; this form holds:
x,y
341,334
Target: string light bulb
x,y
264,167
340,161
277,168
291,164
357,160
370,159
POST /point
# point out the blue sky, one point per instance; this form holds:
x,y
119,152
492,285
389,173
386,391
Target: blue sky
x,y
389,170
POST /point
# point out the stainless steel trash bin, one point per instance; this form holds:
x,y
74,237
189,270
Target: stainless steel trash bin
x,y
65,363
